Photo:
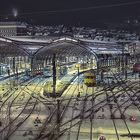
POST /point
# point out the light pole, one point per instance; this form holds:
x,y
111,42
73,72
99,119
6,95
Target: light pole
x,y
17,74
78,79
54,74
8,71
139,78
77,66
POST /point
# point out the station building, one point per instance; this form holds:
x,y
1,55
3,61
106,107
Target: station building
x,y
12,29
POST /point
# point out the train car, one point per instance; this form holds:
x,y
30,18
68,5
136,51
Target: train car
x,y
89,79
136,68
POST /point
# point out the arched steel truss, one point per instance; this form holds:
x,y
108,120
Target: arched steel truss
x,y
64,47
9,47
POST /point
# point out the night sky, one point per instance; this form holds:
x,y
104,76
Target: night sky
x,y
70,11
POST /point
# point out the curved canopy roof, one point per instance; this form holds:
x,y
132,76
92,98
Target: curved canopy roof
x,y
9,48
64,46
61,46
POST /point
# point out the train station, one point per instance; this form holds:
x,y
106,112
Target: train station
x,y
69,70
84,85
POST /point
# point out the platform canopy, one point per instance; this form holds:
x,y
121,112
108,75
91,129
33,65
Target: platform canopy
x,y
70,47
62,46
65,47
10,48
20,46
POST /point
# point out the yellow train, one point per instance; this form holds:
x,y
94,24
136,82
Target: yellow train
x,y
89,79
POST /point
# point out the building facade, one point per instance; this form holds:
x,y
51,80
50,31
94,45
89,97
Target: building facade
x,y
13,29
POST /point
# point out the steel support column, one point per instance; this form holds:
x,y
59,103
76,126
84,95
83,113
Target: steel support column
x,y
54,74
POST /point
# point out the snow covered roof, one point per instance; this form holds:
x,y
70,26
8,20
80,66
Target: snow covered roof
x,y
63,45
